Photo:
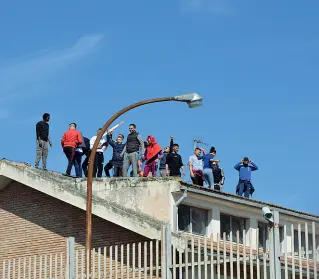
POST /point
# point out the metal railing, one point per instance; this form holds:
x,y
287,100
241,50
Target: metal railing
x,y
186,256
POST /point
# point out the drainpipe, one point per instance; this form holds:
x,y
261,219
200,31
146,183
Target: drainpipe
x,y
175,209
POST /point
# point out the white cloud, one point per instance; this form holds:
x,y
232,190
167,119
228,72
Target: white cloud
x,y
210,6
18,75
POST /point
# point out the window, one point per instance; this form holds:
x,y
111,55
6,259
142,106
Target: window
x,y
263,235
303,243
192,219
230,225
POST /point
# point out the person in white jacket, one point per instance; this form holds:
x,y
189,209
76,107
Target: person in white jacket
x,y
99,157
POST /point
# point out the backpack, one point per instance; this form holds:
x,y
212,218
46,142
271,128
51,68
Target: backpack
x,y
217,172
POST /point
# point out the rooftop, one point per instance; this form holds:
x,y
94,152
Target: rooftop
x,y
140,202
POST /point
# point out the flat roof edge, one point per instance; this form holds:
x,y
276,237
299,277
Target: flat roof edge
x,y
245,201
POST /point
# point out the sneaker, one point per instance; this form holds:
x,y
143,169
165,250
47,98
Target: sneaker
x,y
45,169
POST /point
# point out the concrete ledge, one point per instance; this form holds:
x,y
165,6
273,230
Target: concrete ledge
x,y
113,199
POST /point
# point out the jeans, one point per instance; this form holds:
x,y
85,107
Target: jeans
x,y
98,164
42,152
209,177
69,153
130,159
77,163
244,187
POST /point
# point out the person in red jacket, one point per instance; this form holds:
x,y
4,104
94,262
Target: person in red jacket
x,y
151,156
70,140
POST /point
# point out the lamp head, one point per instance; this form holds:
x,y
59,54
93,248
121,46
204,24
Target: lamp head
x,y
193,100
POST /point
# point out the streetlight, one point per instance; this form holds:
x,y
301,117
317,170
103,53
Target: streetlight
x,y
193,100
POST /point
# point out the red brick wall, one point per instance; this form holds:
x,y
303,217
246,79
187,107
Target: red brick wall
x,y
34,223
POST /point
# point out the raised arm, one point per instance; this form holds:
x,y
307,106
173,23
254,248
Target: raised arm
x,y
171,143
253,166
109,140
238,166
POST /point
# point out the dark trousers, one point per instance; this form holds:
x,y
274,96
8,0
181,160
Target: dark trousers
x,y
117,172
85,163
98,164
107,168
197,179
174,172
244,187
69,153
77,163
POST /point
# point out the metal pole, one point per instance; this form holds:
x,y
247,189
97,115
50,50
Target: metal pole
x,y
277,245
88,243
271,251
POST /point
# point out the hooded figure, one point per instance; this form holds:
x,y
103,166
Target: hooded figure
x,y
153,151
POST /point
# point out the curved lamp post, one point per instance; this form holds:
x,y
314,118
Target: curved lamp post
x,y
193,100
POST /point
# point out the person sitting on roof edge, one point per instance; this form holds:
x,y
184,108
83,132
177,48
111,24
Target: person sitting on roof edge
x,y
244,186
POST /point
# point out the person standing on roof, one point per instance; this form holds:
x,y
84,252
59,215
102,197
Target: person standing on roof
x,y
208,159
70,140
87,153
196,167
133,144
151,156
244,186
79,151
174,163
99,156
117,160
219,177
162,162
43,141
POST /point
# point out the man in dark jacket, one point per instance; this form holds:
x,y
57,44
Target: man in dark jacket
x,y
174,163
117,160
87,153
133,144
43,141
162,164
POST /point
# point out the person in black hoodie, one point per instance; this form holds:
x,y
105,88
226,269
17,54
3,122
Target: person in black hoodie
x,y
117,159
162,164
174,163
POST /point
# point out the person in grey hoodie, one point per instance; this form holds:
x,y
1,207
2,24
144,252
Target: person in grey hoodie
x,y
162,164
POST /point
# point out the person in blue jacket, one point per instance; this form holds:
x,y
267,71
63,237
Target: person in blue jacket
x,y
245,167
117,159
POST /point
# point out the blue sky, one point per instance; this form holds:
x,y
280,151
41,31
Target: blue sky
x,y
254,62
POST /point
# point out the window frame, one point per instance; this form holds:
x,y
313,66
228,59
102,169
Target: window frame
x,y
234,233
190,225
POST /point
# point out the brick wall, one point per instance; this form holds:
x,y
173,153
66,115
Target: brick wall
x,y
34,223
